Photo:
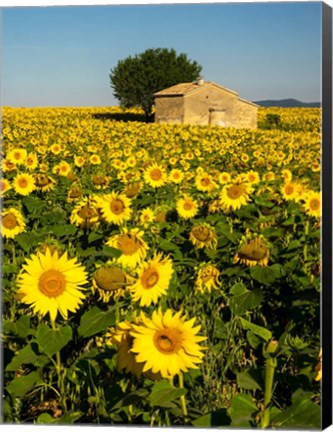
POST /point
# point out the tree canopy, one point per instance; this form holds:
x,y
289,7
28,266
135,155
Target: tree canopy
x,y
136,79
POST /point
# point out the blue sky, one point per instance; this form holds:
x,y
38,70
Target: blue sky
x,y
61,56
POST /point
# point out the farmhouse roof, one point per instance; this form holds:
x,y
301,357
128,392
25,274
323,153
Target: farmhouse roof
x,y
249,102
185,89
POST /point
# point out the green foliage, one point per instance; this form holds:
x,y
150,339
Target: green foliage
x,y
136,79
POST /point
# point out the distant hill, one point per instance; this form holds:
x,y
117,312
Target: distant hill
x,y
288,103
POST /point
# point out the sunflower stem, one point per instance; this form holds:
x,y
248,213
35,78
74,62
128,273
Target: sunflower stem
x,y
269,379
61,377
182,397
305,249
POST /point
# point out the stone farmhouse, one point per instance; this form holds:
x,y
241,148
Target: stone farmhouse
x,y
204,103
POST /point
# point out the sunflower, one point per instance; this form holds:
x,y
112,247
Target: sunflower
x,y
4,186
51,283
318,369
204,182
132,246
24,184
110,281
115,208
167,344
176,176
289,191
121,337
95,159
224,177
12,223
44,183
155,175
187,207
17,156
31,161
207,278
253,252
74,193
63,169
203,236
86,213
252,177
312,204
233,196
132,189
8,166
287,175
147,216
153,280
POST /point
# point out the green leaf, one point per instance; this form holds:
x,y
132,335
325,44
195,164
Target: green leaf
x,y
94,321
9,268
253,340
22,326
62,230
257,330
239,304
263,275
163,393
52,341
273,232
214,418
25,356
263,202
250,380
93,236
22,384
46,418
238,289
302,414
111,252
33,205
241,410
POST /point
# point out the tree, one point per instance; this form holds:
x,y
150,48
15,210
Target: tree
x,y
136,79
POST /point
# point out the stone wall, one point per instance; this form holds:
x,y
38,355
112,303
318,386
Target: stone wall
x,y
169,109
198,106
245,115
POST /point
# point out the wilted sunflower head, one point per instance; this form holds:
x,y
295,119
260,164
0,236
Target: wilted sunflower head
x,y
109,281
253,252
203,235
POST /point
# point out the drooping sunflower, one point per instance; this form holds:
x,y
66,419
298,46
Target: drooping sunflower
x,y
110,281
167,343
153,280
44,183
207,278
86,213
52,283
24,184
155,175
203,236
115,208
312,204
132,246
187,207
4,186
233,196
12,223
253,252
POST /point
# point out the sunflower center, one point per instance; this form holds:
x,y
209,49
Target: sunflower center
x,y
188,205
117,206
201,233
205,181
99,180
156,174
110,278
42,180
168,341
86,212
128,244
235,191
149,278
9,221
207,274
75,192
17,155
52,283
22,182
289,189
314,204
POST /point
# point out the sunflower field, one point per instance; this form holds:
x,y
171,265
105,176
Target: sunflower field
x,y
160,275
